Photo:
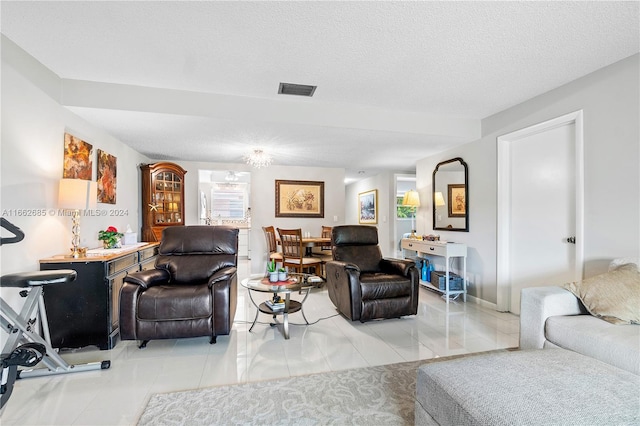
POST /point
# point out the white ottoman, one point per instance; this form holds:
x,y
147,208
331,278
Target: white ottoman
x,y
529,387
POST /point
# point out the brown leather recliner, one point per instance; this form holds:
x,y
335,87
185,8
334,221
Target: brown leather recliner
x,y
192,290
362,284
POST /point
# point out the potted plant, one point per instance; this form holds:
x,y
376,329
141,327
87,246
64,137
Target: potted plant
x,y
282,274
110,237
273,272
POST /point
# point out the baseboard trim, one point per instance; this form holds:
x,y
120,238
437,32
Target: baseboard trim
x,y
481,302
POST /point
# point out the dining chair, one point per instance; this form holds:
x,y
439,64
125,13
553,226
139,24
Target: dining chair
x,y
323,251
326,233
272,244
293,251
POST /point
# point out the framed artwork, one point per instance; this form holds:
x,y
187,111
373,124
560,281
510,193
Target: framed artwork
x,y
299,198
107,172
457,200
77,158
368,206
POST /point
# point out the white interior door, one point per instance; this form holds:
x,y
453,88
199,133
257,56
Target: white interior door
x,y
540,207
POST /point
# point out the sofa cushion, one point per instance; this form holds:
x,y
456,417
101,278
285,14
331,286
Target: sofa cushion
x,y
613,296
535,387
162,303
614,344
384,286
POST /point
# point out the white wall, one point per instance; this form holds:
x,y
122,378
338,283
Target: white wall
x,y
263,196
610,99
32,148
385,184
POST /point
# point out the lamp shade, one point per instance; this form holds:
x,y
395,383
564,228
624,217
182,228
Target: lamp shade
x,y
411,198
77,194
438,199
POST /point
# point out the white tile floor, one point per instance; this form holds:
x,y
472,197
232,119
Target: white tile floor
x,y
117,396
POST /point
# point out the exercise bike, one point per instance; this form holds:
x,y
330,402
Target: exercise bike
x,y
24,347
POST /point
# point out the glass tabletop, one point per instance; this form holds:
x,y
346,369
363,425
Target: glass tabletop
x,y
262,283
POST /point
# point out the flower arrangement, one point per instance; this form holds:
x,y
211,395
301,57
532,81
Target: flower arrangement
x,y
110,237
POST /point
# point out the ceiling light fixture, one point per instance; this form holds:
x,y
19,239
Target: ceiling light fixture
x,y
258,158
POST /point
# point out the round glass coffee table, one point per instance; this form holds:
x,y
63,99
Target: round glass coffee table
x,y
279,305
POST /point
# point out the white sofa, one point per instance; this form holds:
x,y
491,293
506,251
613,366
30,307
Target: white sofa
x,y
590,375
552,317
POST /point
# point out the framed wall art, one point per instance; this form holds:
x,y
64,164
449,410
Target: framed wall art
x,y
77,158
457,200
299,198
107,172
368,207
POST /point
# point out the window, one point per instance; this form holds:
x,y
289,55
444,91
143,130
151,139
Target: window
x,y
403,212
228,200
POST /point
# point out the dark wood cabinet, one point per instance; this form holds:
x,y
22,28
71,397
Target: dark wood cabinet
x,y
86,311
162,198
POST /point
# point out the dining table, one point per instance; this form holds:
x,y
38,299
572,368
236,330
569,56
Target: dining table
x,y
310,242
315,241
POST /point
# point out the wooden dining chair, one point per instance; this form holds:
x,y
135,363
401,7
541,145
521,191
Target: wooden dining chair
x,y
323,251
272,244
326,233
293,251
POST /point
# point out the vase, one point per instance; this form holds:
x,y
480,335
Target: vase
x,y
111,244
273,277
282,276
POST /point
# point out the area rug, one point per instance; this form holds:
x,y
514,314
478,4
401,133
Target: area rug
x,y
381,395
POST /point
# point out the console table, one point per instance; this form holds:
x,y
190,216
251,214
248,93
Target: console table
x,y
424,249
85,312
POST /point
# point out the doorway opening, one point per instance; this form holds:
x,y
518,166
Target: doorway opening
x,y
225,200
405,216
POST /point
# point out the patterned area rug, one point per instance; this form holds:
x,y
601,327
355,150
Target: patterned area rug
x,y
382,395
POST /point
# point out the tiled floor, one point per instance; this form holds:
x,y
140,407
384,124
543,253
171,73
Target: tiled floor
x,y
118,395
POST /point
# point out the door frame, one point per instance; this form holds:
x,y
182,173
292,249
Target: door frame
x,y
503,224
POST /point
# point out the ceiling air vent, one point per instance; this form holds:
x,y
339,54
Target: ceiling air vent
x,y
296,89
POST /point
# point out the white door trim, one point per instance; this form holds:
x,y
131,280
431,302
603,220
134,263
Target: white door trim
x,y
504,199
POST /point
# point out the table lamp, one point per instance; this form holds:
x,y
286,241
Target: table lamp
x,y
412,199
76,195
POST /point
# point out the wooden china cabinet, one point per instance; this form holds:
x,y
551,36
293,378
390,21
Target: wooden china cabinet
x,y
162,198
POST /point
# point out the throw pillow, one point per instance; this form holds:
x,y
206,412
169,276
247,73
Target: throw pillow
x,y
613,296
616,263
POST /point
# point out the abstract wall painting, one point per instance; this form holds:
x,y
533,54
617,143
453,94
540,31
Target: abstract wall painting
x,y
77,158
107,173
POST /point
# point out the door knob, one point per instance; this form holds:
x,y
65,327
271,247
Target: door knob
x,y
571,240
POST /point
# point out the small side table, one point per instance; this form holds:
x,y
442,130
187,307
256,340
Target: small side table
x,y
262,284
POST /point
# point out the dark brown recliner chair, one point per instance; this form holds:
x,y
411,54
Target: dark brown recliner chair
x,y
362,284
192,290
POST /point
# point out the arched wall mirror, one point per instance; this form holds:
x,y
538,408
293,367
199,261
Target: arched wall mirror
x,y
450,187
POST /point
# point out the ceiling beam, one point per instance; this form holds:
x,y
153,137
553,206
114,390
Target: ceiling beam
x,y
89,94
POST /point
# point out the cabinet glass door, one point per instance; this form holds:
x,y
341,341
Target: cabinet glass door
x,y
167,198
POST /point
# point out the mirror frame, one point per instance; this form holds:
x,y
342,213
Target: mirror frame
x,y
433,195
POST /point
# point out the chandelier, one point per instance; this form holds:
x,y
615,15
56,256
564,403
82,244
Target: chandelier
x,y
258,158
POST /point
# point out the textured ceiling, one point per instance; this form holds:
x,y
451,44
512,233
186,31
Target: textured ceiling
x,y
414,62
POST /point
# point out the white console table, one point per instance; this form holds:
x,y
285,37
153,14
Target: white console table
x,y
447,250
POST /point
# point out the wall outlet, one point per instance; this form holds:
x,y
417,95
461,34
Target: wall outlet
x,y
335,218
